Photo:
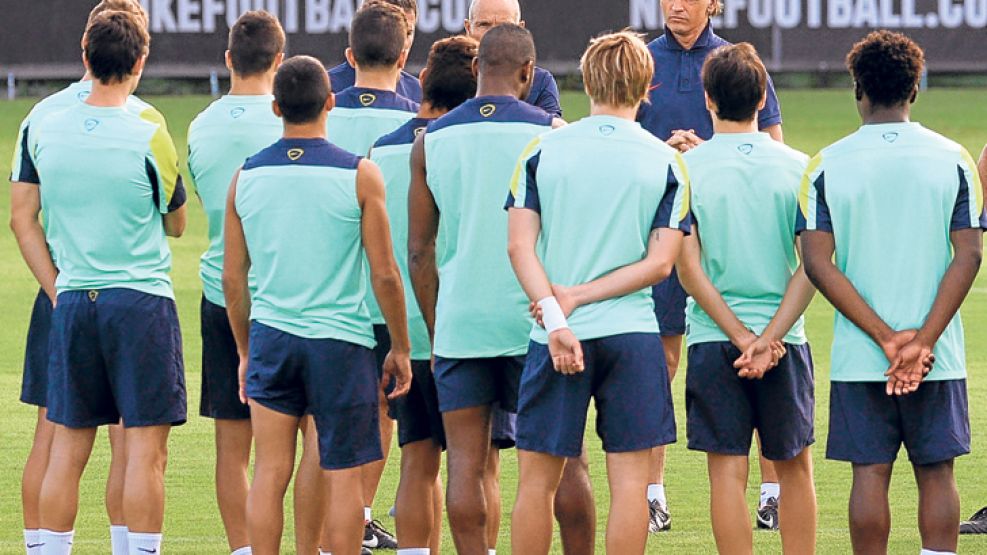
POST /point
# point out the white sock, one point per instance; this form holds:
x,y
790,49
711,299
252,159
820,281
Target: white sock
x,y
32,541
55,543
491,552
243,551
367,514
144,544
118,540
769,489
931,552
657,492
325,552
415,551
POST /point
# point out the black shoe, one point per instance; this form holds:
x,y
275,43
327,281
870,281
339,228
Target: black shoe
x,y
661,520
767,516
365,551
375,537
977,523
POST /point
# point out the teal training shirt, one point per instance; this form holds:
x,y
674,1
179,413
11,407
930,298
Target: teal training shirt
x,y
745,190
470,155
109,174
601,186
301,218
362,116
891,194
393,154
220,139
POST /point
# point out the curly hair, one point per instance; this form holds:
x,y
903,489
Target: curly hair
x,y
886,67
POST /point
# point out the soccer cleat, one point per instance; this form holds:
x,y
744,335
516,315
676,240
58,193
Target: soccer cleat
x,y
660,520
977,523
767,516
375,537
365,551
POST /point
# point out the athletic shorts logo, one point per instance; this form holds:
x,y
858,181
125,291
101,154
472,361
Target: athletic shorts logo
x,y
368,99
91,124
487,110
295,153
746,148
237,112
93,295
890,137
607,130
419,131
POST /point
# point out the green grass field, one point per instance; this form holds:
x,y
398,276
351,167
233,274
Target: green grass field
x,y
812,120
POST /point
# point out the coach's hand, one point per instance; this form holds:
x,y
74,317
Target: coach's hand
x,y
242,373
397,368
684,140
566,352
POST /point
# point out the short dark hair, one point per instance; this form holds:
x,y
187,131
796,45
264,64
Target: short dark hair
x,y
255,41
405,5
450,80
114,42
886,67
506,48
735,80
378,34
301,88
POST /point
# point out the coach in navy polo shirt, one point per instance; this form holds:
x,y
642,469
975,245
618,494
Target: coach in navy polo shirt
x,y
677,114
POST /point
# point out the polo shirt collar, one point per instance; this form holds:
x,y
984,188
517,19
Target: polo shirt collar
x,y
702,42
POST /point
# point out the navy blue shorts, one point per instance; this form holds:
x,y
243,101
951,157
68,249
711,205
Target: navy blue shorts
x,y
464,383
723,409
625,374
115,353
867,426
334,381
220,366
383,338
669,297
418,413
34,386
503,428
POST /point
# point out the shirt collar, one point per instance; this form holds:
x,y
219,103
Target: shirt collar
x,y
701,42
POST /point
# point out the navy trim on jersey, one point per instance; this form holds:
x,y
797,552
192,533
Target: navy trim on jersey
x,y
28,173
663,216
961,211
178,198
343,77
406,134
362,97
531,199
310,152
505,109
823,220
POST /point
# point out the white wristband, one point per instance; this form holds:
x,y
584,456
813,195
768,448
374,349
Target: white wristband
x,y
552,315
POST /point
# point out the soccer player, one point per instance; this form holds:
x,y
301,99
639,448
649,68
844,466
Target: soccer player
x,y
220,138
677,114
448,81
487,14
748,295
115,339
343,76
478,317
901,207
608,170
25,210
304,336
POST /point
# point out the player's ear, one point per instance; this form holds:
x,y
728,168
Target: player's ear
x,y
138,68
528,72
403,58
858,93
275,108
423,74
350,59
476,67
709,103
229,61
278,60
914,96
763,102
330,102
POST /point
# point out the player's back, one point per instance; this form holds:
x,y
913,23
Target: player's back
x,y
362,115
891,194
343,76
220,139
108,176
601,185
470,155
744,202
297,201
392,153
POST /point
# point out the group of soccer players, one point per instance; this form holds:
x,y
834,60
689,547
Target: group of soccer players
x,y
380,246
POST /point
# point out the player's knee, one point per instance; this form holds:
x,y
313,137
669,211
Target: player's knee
x,y
574,507
465,512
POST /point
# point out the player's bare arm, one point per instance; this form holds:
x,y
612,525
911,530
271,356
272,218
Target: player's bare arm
x,y
384,275
25,207
423,227
982,169
236,264
524,226
174,222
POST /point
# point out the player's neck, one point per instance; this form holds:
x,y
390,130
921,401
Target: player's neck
x,y
622,112
385,79
886,115
312,130
427,111
110,95
496,85
255,85
723,127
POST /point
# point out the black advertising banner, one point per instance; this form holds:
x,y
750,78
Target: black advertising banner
x,y
40,38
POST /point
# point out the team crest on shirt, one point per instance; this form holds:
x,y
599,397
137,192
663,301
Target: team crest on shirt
x,y
487,110
82,96
419,131
237,112
91,124
607,130
890,137
295,153
368,99
746,148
